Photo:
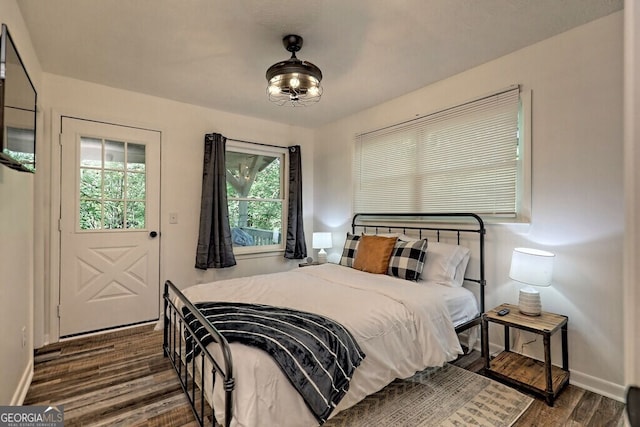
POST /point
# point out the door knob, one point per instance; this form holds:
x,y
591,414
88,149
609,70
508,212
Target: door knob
x,y
153,234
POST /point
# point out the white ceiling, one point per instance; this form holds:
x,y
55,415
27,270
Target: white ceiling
x,y
215,53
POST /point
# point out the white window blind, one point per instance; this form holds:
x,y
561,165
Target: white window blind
x,y
462,159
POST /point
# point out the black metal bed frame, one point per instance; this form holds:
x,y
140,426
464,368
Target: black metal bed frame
x,y
192,377
467,223
176,329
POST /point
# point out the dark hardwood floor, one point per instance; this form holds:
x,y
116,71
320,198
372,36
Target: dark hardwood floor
x,y
122,378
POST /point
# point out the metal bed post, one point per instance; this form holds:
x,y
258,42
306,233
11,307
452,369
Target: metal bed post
x,y
178,360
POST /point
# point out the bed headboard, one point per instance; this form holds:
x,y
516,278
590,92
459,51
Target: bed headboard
x,y
450,227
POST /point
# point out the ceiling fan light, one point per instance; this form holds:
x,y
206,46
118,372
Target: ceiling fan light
x,y
294,82
273,89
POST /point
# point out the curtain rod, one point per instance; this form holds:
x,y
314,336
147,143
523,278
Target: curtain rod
x,y
255,143
499,92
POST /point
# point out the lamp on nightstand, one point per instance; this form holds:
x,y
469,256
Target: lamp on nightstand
x,y
322,241
532,267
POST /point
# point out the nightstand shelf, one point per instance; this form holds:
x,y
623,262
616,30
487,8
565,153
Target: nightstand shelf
x,y
535,376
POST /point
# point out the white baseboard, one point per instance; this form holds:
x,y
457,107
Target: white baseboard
x,y
584,381
23,387
107,331
597,385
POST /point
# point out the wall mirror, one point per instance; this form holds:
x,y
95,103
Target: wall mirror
x,y
18,99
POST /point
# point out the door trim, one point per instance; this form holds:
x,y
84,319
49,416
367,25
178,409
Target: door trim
x,y
49,319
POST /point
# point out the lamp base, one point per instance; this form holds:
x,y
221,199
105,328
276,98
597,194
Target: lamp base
x,y
529,302
322,257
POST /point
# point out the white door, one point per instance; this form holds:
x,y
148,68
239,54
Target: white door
x,y
109,224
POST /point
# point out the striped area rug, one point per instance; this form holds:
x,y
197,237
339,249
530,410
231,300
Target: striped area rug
x,y
447,396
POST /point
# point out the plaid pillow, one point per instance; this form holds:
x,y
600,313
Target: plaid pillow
x,y
407,259
349,251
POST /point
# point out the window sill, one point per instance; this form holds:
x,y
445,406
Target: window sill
x,y
270,253
516,221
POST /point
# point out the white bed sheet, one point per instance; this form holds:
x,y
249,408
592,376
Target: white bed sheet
x,y
461,303
401,326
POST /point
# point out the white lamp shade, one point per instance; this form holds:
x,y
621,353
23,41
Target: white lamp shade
x,y
322,240
532,266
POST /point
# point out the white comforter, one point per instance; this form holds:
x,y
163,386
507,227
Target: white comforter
x,y
401,326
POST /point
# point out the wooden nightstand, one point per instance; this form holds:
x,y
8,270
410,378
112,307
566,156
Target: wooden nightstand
x,y
541,378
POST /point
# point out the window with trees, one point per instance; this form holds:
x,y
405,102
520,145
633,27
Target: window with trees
x,y
256,196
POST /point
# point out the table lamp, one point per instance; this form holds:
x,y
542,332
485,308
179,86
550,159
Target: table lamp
x,y
322,241
532,267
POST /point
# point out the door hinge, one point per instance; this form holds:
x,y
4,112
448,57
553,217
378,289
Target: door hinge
x,y
59,311
60,139
59,224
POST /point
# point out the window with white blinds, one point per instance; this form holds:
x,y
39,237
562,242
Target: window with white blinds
x,y
462,159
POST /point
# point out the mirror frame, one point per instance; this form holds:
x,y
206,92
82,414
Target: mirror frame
x,y
6,41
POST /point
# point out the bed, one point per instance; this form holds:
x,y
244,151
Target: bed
x,y
401,326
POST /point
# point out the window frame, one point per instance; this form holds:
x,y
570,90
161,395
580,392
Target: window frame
x,y
274,151
525,165
523,162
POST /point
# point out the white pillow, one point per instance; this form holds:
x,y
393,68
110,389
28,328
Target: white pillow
x,y
458,279
445,264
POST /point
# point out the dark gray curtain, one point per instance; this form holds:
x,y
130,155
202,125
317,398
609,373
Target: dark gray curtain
x,y
215,249
296,247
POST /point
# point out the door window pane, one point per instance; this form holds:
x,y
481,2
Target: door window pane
x,y
91,152
114,155
114,185
90,215
113,215
135,214
136,186
90,184
136,157
110,198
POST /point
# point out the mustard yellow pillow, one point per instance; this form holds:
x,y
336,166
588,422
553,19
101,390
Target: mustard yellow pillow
x,y
373,254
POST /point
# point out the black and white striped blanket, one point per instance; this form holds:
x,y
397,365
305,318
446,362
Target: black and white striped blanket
x,y
317,354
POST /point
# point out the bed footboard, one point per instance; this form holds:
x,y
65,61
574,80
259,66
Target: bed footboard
x,y
192,372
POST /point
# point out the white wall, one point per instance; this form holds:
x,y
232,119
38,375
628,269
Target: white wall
x,y
577,184
18,260
632,186
16,282
183,128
